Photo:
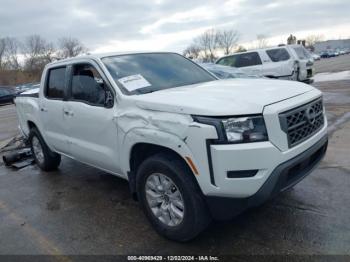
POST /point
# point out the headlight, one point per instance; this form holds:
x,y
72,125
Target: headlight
x,y
245,129
238,129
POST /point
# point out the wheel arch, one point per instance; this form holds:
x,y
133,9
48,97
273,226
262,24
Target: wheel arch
x,y
28,127
31,125
142,150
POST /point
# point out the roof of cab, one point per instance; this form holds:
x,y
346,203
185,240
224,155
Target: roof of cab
x,y
258,49
102,55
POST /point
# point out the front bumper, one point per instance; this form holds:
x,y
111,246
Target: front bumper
x,y
306,74
264,157
284,176
261,156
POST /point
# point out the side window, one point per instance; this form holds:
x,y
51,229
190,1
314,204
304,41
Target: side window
x,y
278,55
87,85
248,59
228,61
56,83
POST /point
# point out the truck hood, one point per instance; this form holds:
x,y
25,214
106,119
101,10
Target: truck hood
x,y
222,97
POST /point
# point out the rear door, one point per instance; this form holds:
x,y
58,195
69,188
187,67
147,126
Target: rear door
x,y
51,109
277,63
90,118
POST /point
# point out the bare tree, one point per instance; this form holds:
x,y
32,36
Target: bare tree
x,y
261,41
241,48
208,42
311,40
2,52
228,40
38,52
192,51
70,47
11,53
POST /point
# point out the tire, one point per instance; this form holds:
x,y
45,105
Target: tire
x,y
195,217
43,156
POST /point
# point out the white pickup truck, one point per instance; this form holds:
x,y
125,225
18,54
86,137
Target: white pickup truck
x,y
191,146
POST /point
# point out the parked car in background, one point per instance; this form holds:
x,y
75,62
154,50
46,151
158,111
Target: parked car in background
x,y
325,54
25,87
331,53
315,56
7,94
291,62
225,72
192,147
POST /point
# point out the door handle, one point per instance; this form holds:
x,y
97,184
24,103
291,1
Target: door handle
x,y
43,109
68,112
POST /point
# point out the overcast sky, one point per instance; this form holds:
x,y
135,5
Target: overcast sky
x,y
117,25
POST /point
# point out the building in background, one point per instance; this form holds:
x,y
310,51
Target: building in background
x,y
332,45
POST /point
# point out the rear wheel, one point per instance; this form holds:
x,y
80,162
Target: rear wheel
x,y
43,156
171,198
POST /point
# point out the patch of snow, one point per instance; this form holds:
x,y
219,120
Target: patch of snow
x,y
324,77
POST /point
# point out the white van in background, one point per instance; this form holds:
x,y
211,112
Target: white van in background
x,y
291,62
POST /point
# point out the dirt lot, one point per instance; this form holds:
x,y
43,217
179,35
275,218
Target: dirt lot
x,y
81,210
9,124
333,64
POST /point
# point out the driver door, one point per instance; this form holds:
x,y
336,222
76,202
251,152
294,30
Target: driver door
x,y
92,130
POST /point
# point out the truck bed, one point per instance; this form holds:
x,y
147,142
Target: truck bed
x,y
27,109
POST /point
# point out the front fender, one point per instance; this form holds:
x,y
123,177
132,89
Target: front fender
x,y
152,136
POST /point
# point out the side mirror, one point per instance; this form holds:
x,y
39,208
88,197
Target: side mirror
x,y
109,100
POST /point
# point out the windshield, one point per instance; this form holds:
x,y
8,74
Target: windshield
x,y
302,52
144,73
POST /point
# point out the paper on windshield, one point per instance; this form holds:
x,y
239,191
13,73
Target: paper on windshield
x,y
134,82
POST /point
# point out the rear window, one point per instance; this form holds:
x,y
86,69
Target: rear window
x,y
278,54
241,60
56,83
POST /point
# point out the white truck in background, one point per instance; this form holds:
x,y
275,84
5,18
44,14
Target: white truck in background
x,y
290,62
191,146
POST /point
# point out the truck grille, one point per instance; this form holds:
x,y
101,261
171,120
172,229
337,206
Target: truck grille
x,y
302,122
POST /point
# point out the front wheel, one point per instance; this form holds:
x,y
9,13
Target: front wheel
x,y
43,156
171,198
